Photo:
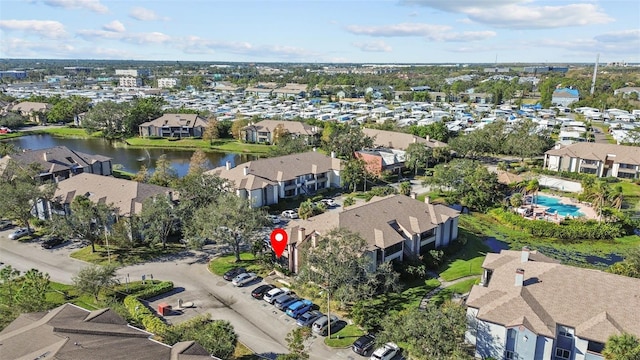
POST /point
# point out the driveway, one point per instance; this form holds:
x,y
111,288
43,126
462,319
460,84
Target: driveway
x,y
257,326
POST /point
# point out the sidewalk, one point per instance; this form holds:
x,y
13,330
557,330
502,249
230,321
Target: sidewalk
x,y
443,284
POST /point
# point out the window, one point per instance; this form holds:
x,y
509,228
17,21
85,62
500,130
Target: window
x,y
565,331
509,355
563,353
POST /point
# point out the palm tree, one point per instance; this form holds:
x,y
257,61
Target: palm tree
x,y
532,187
599,195
616,197
622,347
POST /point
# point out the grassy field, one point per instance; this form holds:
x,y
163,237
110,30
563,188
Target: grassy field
x,y
223,145
222,264
462,287
345,337
124,256
467,261
68,132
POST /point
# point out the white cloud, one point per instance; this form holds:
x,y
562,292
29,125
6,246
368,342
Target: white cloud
x,y
23,48
115,26
373,46
44,28
628,36
92,5
143,14
521,14
133,38
428,31
198,45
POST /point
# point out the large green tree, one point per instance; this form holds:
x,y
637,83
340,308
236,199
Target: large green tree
x,y
341,264
87,220
21,191
216,336
622,347
229,220
417,157
435,333
354,173
108,117
197,190
140,111
345,140
164,174
95,278
159,219
295,342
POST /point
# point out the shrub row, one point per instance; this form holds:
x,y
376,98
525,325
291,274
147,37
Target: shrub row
x,y
569,229
141,314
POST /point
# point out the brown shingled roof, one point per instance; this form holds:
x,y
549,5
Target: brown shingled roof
x,y
595,303
599,151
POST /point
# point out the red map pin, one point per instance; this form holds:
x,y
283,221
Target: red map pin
x,y
279,239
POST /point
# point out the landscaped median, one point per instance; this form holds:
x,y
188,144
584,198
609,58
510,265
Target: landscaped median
x,y
124,256
345,337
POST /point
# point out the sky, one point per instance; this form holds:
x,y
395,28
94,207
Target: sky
x,y
328,31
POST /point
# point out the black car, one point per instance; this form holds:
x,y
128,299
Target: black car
x,y
5,224
259,292
229,275
364,344
52,241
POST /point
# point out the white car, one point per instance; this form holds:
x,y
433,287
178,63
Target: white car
x,y
274,219
18,233
243,279
387,352
290,214
274,293
329,203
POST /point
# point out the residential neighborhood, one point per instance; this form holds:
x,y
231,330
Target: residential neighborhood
x,y
146,205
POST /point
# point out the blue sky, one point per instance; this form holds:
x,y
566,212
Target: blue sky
x,y
362,31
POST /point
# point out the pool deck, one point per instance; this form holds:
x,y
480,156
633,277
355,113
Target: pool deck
x,y
587,210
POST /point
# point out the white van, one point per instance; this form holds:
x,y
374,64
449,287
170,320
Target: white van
x,y
274,293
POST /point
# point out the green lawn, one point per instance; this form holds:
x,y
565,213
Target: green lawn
x,y
222,264
468,261
69,132
124,256
345,337
462,287
223,145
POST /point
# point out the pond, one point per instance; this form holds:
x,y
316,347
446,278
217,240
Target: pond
x,y
130,159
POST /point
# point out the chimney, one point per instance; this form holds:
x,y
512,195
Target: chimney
x,y
301,234
333,154
246,171
228,165
314,239
524,255
427,200
519,277
413,195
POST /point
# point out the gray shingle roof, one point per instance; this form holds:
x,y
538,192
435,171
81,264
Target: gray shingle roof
x,y
55,159
595,303
72,333
177,120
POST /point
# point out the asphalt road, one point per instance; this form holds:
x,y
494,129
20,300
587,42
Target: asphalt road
x,y
258,326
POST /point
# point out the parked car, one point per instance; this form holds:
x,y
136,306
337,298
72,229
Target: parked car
x,y
309,317
51,241
5,224
387,352
364,344
321,326
330,203
259,292
274,219
18,233
229,275
243,279
273,293
283,301
298,308
290,214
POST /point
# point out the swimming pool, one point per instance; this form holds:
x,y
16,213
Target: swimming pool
x,y
554,205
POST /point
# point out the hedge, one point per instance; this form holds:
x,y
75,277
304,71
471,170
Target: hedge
x,y
568,229
141,313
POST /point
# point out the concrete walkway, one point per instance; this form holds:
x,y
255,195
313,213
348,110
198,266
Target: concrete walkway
x,y
443,284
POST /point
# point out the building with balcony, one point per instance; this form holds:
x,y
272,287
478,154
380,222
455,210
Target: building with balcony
x,y
133,72
266,181
168,82
529,306
129,81
396,227
265,131
174,126
602,160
